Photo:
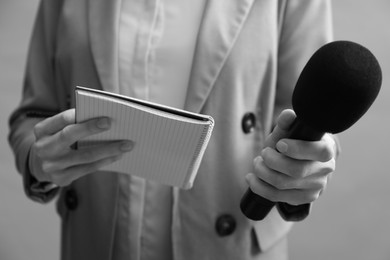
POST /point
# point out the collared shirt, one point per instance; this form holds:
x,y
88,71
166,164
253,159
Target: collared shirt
x,y
156,48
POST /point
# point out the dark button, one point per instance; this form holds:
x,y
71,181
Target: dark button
x,y
71,200
248,122
225,225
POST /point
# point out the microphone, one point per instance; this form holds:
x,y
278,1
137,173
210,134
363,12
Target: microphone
x,y
337,86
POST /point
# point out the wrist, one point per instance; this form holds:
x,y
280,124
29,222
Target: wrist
x,y
38,183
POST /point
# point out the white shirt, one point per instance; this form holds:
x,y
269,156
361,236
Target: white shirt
x,y
156,48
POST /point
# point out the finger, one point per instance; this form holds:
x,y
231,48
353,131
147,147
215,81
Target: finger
x,y
55,123
88,155
297,169
291,196
71,174
281,130
283,181
280,163
285,119
322,150
276,179
75,132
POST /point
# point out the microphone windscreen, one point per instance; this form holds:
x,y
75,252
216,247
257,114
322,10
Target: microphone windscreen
x,y
337,86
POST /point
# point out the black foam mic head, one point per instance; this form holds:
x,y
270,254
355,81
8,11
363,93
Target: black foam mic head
x,y
337,86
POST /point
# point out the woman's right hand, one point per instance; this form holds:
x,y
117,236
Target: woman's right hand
x,y
52,157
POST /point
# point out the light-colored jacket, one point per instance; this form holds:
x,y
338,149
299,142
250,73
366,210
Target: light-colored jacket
x,y
248,57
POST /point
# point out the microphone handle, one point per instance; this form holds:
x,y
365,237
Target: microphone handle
x,y
256,207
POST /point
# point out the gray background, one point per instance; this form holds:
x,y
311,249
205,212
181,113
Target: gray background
x,y
349,221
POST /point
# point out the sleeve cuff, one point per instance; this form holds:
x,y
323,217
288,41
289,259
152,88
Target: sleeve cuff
x,y
38,191
293,213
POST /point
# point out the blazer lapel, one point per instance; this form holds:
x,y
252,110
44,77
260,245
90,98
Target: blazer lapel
x,y
223,20
103,32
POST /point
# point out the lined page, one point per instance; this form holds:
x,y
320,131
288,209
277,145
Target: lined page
x,y
166,146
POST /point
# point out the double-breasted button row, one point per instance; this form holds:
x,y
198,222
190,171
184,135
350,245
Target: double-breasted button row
x,y
225,225
248,122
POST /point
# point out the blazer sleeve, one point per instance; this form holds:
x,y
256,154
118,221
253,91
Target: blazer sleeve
x,y
38,99
304,26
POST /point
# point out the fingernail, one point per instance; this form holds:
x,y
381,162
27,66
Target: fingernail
x,y
282,147
248,177
126,146
257,160
103,123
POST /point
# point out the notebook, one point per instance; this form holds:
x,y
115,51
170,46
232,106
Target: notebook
x,y
169,142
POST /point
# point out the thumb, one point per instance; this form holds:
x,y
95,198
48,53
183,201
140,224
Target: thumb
x,y
283,124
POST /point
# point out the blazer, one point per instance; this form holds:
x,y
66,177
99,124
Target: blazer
x,y
248,57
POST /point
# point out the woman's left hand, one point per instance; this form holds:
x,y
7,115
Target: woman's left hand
x,y
292,171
